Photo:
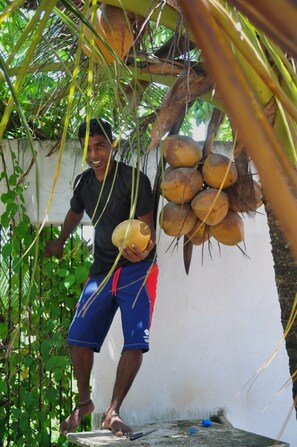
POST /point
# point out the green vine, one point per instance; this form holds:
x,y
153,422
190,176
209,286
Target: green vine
x,y
37,301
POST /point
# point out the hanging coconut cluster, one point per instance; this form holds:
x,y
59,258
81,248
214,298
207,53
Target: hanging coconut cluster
x,y
201,194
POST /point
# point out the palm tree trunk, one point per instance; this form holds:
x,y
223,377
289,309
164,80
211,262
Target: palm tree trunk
x,y
285,268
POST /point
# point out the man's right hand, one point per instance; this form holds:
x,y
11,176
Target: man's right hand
x,y
54,248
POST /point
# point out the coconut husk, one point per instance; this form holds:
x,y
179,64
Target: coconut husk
x,y
199,234
112,26
186,88
243,191
177,220
181,151
245,206
219,171
180,185
210,205
230,231
162,164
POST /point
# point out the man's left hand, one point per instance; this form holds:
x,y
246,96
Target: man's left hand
x,y
133,254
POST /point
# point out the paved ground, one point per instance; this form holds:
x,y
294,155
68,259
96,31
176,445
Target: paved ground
x,y
177,434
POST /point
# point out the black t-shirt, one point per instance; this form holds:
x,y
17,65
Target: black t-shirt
x,y
108,203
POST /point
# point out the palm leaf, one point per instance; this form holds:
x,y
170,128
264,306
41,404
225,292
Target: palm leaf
x,y
252,58
278,20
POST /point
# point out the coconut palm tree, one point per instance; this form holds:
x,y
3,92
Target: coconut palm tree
x,y
146,65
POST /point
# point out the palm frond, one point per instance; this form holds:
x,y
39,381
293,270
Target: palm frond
x,y
278,20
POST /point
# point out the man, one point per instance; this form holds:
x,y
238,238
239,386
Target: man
x,y
105,192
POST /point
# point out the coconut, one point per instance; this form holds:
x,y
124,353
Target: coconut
x,y
115,31
177,220
199,234
219,171
180,185
131,232
210,206
181,150
230,231
245,203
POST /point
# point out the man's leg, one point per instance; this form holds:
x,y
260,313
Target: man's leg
x,y
127,370
136,319
82,359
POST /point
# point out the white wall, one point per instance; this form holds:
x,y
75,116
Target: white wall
x,y
41,176
212,330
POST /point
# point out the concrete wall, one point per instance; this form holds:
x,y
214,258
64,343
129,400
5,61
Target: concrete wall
x,y
212,330
41,177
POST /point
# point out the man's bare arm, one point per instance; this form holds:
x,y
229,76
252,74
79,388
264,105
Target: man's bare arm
x,y
55,247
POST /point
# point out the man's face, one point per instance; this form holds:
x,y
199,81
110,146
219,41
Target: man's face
x,y
99,154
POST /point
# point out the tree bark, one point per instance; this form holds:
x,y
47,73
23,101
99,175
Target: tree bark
x,y
285,269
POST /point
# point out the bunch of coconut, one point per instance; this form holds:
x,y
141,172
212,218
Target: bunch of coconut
x,y
201,194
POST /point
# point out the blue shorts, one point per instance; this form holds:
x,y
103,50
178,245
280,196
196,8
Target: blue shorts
x,y
132,288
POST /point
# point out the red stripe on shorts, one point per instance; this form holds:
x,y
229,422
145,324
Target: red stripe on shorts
x,y
115,281
151,286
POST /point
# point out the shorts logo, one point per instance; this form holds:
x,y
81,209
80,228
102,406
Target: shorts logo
x,y
146,335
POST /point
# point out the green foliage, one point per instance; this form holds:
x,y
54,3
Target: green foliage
x,y
44,90
202,111
37,301
225,131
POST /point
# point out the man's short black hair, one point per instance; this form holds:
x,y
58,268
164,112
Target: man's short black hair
x,y
97,127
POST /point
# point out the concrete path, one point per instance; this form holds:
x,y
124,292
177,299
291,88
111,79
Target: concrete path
x,y
176,434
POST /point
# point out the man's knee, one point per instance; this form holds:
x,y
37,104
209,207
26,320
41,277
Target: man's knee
x,y
133,353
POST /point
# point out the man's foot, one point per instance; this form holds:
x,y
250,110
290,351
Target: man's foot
x,y
115,424
74,419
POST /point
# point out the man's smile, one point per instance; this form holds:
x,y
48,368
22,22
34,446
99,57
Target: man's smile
x,y
96,163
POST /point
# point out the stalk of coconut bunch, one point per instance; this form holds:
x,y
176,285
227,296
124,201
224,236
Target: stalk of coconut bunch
x,y
215,121
188,87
